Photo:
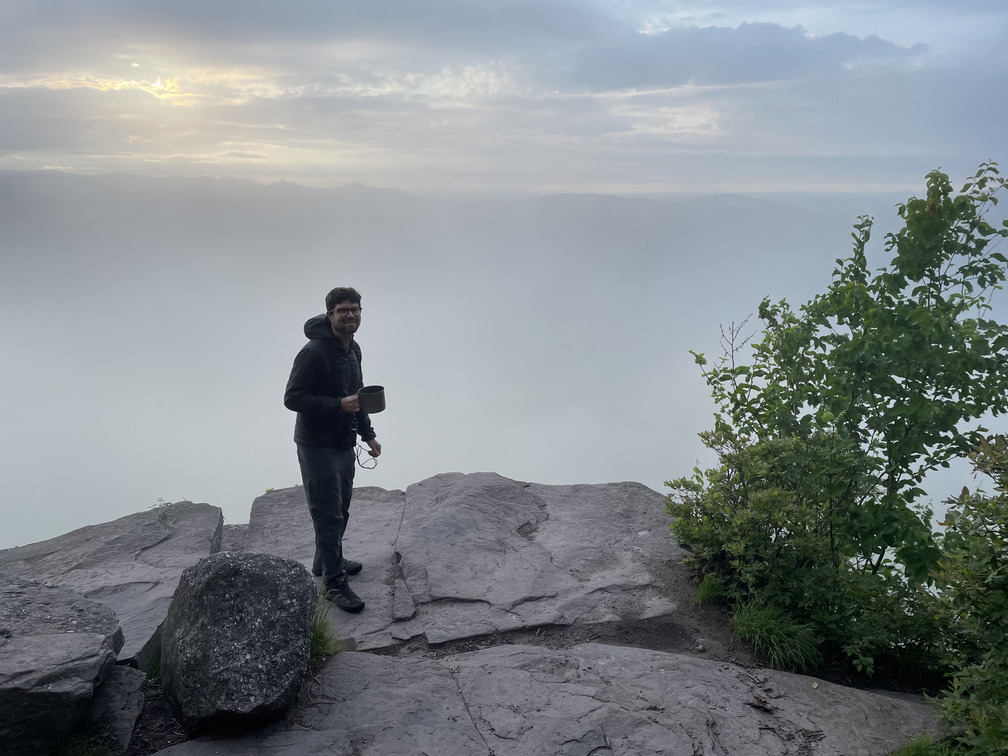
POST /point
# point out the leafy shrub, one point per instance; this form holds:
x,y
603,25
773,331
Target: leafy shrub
x,y
973,578
825,438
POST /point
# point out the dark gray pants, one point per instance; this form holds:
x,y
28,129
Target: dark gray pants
x,y
328,475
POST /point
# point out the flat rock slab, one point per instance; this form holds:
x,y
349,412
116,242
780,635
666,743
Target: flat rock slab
x,y
56,646
29,608
131,565
588,699
279,524
458,556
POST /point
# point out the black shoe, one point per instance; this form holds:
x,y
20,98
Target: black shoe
x,y
349,566
343,596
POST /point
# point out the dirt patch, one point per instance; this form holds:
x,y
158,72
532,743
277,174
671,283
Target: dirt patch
x,y
157,727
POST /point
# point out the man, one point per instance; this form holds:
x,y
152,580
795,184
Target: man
x,y
322,389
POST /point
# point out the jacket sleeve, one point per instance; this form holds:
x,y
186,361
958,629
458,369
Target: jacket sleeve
x,y
302,393
364,429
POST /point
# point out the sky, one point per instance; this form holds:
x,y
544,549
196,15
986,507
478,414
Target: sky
x,y
181,183
460,96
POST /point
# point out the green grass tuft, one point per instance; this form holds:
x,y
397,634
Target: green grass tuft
x,y
154,668
786,644
925,746
83,745
324,642
711,590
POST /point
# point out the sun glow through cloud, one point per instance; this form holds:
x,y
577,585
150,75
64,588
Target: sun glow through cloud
x,y
618,92
166,88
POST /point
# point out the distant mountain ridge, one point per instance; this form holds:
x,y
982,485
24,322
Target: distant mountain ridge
x,y
14,184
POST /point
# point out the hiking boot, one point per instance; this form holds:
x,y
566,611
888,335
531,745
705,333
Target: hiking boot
x,y
343,596
350,567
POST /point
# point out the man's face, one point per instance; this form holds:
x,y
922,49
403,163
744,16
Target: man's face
x,y
345,318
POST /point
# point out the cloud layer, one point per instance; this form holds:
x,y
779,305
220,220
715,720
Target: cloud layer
x,y
456,96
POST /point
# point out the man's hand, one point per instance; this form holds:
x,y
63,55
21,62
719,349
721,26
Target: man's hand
x,y
350,403
375,450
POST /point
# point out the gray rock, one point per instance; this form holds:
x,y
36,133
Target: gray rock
x,y
131,565
115,708
459,556
235,643
589,699
56,648
462,560
233,538
29,608
484,554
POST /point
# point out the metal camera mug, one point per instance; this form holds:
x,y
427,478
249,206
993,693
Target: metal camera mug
x,y
372,399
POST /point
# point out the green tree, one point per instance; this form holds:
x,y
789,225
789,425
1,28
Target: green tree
x,y
825,438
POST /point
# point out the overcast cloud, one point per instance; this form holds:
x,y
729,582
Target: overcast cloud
x,y
460,96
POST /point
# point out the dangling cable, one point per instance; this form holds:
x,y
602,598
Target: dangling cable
x,y
367,462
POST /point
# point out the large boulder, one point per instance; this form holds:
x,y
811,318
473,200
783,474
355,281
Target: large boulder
x,y
56,646
235,644
131,564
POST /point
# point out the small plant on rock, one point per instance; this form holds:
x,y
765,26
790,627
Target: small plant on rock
x,y
711,590
154,667
771,632
84,745
324,642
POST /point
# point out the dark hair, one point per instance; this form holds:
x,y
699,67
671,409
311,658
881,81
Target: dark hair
x,y
341,294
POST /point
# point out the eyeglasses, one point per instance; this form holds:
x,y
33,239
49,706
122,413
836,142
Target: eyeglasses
x,y
344,311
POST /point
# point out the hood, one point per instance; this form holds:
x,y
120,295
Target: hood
x,y
318,328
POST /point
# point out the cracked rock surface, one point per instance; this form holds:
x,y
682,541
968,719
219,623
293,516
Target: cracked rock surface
x,y
502,617
588,699
458,556
478,591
